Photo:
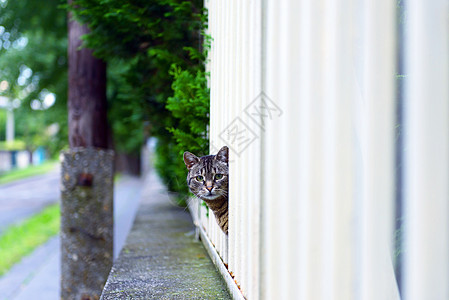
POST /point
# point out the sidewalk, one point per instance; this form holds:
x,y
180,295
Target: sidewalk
x,y
37,275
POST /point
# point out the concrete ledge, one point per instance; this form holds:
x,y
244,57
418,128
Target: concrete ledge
x,y
232,286
194,207
161,259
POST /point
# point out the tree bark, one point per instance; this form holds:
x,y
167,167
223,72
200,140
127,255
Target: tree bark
x,y
87,104
128,163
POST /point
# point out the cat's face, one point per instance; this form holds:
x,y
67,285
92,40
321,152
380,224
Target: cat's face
x,y
208,175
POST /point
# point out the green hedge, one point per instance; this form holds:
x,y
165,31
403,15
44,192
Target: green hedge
x,y
157,84
16,145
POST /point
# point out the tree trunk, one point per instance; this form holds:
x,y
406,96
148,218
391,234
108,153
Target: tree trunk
x,y
128,163
30,156
87,93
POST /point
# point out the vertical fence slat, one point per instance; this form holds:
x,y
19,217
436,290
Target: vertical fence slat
x,y
271,282
245,157
233,172
215,115
221,12
254,89
427,151
274,136
311,143
239,161
339,164
290,150
377,145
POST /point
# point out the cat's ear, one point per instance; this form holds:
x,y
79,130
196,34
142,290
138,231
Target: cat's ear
x,y
223,154
190,159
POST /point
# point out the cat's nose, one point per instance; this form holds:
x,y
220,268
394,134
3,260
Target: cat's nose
x,y
209,188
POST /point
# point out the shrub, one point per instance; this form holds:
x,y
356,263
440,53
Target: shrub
x,y
157,84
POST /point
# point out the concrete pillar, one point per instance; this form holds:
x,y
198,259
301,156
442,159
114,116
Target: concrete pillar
x,y
87,235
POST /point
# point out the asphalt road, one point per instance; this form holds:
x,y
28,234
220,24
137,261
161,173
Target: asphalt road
x,y
24,198
37,275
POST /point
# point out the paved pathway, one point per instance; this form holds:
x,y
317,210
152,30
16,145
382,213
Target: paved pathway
x,y
37,275
24,198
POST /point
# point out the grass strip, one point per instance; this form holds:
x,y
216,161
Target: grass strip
x,y
20,240
17,174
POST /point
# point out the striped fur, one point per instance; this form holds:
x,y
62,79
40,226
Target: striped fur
x,y
208,180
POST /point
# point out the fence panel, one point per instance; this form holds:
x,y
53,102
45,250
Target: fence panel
x,y
303,94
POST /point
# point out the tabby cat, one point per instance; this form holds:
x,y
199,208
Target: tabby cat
x,y
208,180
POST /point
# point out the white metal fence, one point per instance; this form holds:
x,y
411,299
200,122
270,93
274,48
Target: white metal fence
x,y
304,94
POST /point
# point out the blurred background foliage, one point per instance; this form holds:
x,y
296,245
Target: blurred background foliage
x,y
157,86
33,62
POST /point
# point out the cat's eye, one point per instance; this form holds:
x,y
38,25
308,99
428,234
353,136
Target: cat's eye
x,y
218,176
200,178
